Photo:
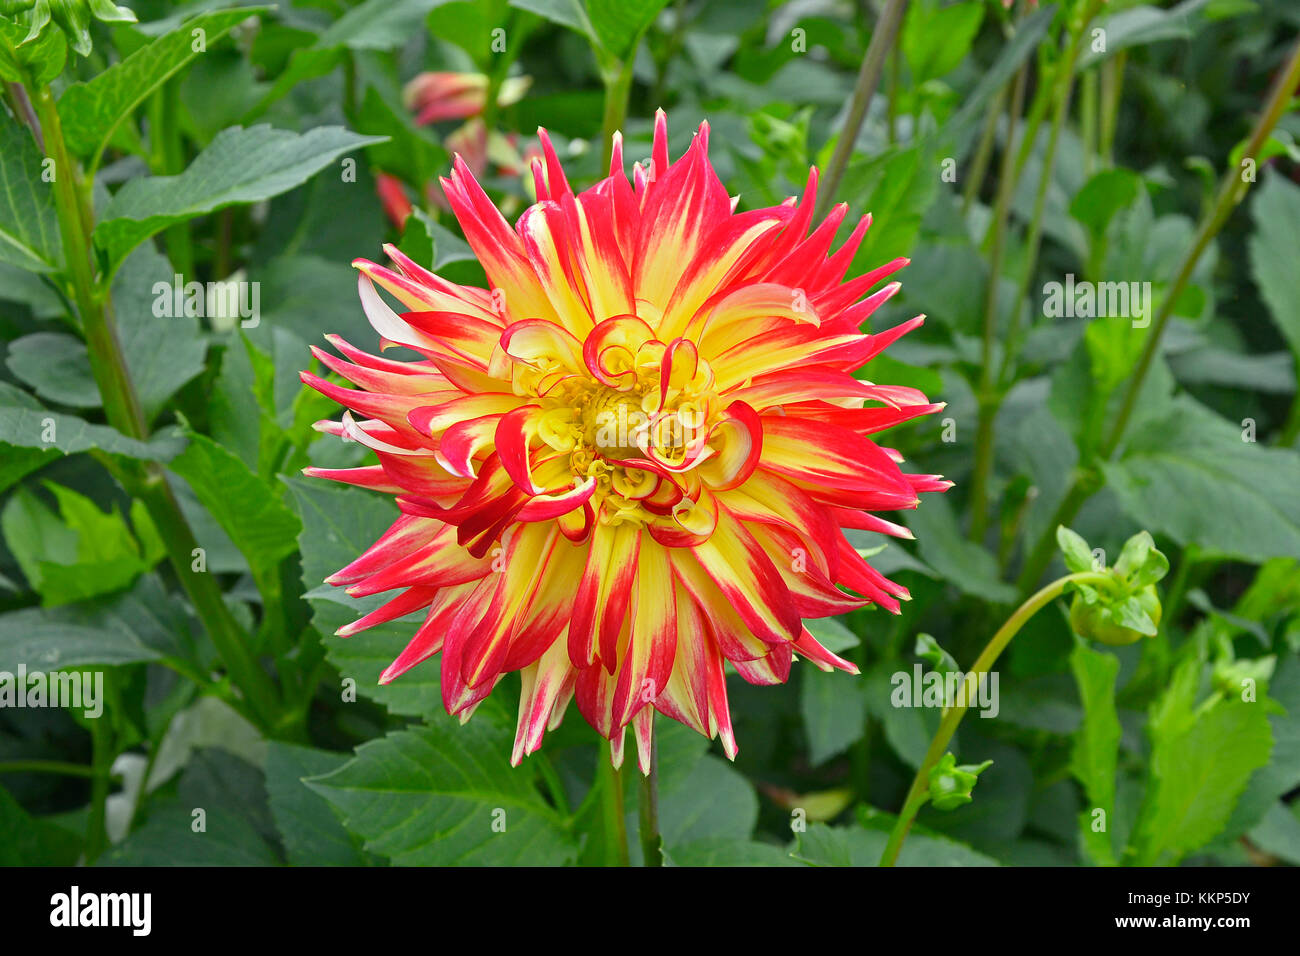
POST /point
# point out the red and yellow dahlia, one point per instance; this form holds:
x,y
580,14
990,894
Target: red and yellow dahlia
x,y
630,461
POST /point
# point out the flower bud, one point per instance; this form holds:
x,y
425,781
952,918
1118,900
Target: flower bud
x,y
951,785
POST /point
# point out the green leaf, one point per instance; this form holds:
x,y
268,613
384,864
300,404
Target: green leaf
x,y
91,111
144,624
407,151
162,352
239,166
1199,767
957,134
1173,466
83,554
928,649
935,39
857,846
1077,554
40,60
310,829
338,524
57,366
618,24
1095,753
378,25
713,801
444,794
834,713
959,561
568,13
25,424
1282,772
248,509
1141,25
716,851
27,841
1276,211
1102,196
29,229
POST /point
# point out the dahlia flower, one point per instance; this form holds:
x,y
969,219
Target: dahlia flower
x,y
628,462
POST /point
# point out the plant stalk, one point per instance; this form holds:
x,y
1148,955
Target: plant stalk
x,y
919,791
868,79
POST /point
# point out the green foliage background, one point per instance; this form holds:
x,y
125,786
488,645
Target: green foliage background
x,y
204,163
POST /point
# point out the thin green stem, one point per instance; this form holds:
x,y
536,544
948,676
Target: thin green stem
x,y
918,793
102,750
868,79
984,151
987,402
651,841
610,779
1088,119
60,767
618,89
1112,85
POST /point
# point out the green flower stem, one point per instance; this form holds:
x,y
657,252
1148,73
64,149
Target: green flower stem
x,y
168,159
618,89
987,401
1232,190
610,779
103,754
919,791
1088,119
1112,84
984,151
651,841
60,767
147,481
868,79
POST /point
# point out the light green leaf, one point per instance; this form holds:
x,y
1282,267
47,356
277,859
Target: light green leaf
x,y
91,111
239,166
1198,770
444,794
249,510
40,60
1095,752
618,24
936,38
